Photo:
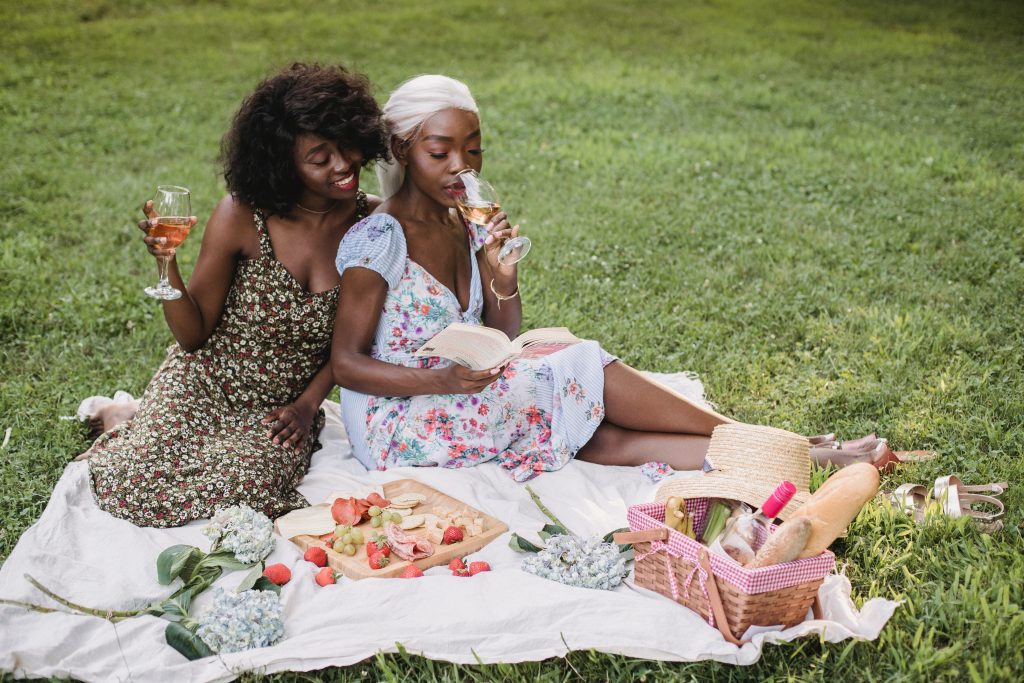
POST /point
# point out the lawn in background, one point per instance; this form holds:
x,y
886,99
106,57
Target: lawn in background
x,y
815,205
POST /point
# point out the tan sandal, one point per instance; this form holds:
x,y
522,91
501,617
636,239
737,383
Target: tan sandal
x,y
911,499
957,500
876,452
952,498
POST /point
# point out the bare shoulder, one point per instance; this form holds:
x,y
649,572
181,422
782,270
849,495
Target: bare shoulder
x,y
373,202
232,226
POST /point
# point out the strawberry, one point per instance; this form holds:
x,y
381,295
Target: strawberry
x,y
316,555
379,561
411,572
458,567
326,577
477,567
452,534
278,574
378,546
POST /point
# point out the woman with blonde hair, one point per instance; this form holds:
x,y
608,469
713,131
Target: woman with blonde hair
x,y
413,268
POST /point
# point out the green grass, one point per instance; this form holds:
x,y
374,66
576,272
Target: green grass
x,y
816,205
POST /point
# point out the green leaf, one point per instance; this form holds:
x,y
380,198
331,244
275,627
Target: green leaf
x,y
265,584
554,530
170,562
251,578
192,564
186,642
225,559
610,536
177,607
521,545
627,554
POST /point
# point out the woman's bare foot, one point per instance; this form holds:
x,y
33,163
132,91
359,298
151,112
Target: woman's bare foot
x,y
110,416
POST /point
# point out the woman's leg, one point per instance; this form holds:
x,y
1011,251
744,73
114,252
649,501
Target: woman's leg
x,y
614,445
642,405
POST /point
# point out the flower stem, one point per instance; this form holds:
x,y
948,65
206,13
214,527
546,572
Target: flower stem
x,y
27,605
112,615
544,509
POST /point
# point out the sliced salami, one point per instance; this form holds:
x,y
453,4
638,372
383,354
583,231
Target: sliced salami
x,y
407,546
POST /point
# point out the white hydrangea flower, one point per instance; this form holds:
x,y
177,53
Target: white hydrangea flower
x,y
581,562
245,532
242,621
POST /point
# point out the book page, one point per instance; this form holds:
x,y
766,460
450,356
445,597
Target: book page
x,y
553,335
475,346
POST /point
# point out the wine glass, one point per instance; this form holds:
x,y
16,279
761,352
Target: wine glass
x,y
173,208
478,204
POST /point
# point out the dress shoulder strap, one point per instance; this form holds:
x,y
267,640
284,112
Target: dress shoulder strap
x,y
266,249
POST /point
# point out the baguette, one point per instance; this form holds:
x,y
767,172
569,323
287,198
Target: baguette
x,y
835,504
784,545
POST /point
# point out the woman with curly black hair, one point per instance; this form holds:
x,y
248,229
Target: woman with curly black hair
x,y
233,414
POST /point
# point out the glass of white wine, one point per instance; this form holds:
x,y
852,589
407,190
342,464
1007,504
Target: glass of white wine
x,y
173,208
478,204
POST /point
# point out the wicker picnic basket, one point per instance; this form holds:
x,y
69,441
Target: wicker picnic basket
x,y
722,591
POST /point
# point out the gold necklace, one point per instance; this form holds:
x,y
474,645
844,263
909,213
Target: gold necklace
x,y
318,213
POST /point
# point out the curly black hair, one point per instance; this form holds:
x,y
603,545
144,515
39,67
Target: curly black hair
x,y
329,101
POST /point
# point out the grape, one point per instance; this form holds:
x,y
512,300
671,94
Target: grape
x,y
349,550
375,521
342,529
357,536
348,539
374,510
338,546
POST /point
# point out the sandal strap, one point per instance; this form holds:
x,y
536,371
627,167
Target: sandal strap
x,y
980,515
910,499
995,489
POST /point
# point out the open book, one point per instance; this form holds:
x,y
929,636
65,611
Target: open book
x,y
481,348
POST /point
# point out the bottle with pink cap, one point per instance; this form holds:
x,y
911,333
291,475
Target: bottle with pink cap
x,y
745,534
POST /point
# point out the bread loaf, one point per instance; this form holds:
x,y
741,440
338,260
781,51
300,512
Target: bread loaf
x,y
784,545
835,504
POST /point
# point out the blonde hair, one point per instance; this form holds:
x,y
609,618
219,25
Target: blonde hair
x,y
412,103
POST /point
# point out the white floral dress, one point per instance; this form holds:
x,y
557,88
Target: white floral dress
x,y
533,418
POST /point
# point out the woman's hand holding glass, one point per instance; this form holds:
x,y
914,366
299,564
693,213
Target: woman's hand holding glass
x,y
168,222
479,204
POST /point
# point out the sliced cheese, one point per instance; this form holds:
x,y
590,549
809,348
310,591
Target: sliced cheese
x,y
314,521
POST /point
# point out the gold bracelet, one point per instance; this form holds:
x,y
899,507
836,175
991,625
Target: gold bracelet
x,y
501,297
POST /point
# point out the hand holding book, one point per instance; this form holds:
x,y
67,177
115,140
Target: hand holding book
x,y
482,348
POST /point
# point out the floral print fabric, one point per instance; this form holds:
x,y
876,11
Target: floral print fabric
x,y
197,442
533,418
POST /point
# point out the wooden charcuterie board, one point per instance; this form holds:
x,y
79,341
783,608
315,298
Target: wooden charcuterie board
x,y
356,566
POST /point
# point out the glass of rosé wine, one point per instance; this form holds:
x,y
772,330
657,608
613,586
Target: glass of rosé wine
x,y
173,208
478,203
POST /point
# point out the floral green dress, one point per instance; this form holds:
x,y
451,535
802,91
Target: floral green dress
x,y
197,442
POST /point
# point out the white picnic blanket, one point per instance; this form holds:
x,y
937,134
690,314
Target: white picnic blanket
x,y
505,615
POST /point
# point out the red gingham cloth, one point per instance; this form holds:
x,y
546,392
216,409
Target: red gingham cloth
x,y
748,581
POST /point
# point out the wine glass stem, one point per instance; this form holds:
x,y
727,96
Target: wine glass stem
x,y
161,261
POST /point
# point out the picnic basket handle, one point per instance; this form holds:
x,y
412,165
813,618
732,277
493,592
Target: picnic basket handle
x,y
715,598
628,537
